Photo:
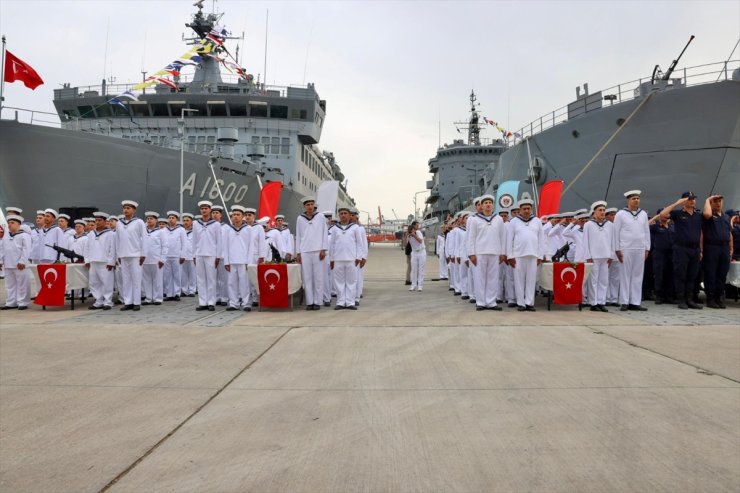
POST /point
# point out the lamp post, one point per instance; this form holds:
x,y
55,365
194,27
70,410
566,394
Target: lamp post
x,y
368,217
415,210
181,131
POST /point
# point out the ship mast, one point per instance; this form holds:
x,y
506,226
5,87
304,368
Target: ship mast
x,y
473,127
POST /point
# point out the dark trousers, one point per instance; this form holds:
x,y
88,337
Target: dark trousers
x,y
685,270
716,264
663,273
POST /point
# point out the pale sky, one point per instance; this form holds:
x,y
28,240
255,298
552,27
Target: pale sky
x,y
390,71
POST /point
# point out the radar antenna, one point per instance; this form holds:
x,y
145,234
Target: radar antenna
x,y
472,125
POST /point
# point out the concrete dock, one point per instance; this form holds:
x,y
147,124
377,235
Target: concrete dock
x,y
414,392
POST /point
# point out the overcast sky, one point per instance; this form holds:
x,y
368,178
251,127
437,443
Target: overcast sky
x,y
389,71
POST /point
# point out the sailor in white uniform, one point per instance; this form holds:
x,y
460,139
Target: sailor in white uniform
x,y
287,249
573,233
89,224
238,244
258,247
272,237
598,246
222,278
15,250
525,249
418,257
312,242
51,235
615,270
329,287
360,285
188,277
130,232
502,288
63,223
207,247
79,238
36,238
486,244
346,250
631,245
152,278
173,239
451,243
100,260
440,249
461,256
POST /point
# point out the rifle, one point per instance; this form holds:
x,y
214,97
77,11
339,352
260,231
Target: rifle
x,y
562,252
70,254
275,254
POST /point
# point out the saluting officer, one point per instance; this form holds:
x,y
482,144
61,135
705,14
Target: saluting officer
x,y
486,252
598,246
632,246
662,238
345,253
100,260
525,249
130,233
312,242
153,261
206,246
717,250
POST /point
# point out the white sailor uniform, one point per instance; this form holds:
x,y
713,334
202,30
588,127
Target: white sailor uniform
x,y
450,247
487,241
509,286
418,260
598,245
129,250
100,253
440,249
206,247
526,245
51,236
152,278
259,251
361,270
16,249
346,249
311,239
188,277
461,253
238,253
632,239
222,277
329,284
174,245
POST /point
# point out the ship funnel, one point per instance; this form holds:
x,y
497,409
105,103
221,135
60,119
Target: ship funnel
x,y
227,135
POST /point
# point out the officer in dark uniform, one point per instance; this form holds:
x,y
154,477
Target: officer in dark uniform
x,y
735,223
662,236
717,250
686,249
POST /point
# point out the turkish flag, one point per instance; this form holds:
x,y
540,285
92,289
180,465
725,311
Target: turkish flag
x,y
567,283
270,201
273,285
53,278
550,198
17,69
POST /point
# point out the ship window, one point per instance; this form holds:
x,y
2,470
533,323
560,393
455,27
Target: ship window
x,y
160,109
69,114
211,139
139,109
257,109
238,109
201,143
191,143
86,111
218,109
255,139
284,148
276,145
278,112
201,109
298,114
266,143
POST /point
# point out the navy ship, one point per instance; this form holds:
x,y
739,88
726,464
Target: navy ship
x,y
664,134
231,133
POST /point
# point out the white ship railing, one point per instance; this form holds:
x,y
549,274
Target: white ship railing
x,y
33,117
626,91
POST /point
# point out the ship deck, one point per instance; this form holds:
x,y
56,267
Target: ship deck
x,y
413,392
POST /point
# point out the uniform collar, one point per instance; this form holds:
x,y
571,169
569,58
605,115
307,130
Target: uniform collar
x,y
343,228
600,224
49,229
484,217
106,230
172,229
525,220
16,234
124,221
633,213
150,231
244,225
210,221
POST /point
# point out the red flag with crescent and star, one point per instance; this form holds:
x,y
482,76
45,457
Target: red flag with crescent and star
x,y
18,70
273,285
567,283
53,279
270,201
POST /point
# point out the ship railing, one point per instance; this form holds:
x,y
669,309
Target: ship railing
x,y
626,91
34,117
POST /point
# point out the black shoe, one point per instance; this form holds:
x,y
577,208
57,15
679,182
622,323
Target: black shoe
x,y
106,307
458,294
408,283
711,303
145,303
191,296
531,308
247,309
624,308
157,303
118,302
466,297
339,307
603,308
201,308
231,309
683,306
694,306
211,308
357,303
511,305
480,308
175,298
521,308
125,308
316,307
351,307
720,303
309,308
9,308
93,307
495,308
595,308
327,303
637,308
23,308
136,308
472,301
255,303
451,289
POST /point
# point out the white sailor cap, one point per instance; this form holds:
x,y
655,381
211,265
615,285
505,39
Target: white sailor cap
x,y
198,216
14,217
40,213
217,208
120,216
567,215
330,213
187,214
63,216
237,208
90,219
612,210
485,197
279,216
354,211
584,215
103,215
14,210
632,193
151,214
263,221
250,210
464,213
205,203
343,208
525,202
173,213
308,199
162,219
80,222
580,211
130,203
598,203
476,201
52,212
504,210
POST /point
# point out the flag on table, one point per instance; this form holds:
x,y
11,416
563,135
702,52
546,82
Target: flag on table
x,y
270,201
53,280
18,70
550,198
567,283
273,285
507,195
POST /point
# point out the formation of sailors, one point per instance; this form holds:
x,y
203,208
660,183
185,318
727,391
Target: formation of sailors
x,y
490,259
163,258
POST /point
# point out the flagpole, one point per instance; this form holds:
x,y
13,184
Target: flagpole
x,y
2,80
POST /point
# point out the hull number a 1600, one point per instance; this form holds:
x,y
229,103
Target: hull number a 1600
x,y
232,191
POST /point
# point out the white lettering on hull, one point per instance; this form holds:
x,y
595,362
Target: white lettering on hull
x,y
230,190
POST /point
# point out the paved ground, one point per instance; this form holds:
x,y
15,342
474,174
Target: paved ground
x,y
413,392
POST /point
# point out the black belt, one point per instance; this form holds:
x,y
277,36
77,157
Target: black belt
x,y
687,245
717,242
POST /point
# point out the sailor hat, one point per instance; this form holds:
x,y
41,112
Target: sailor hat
x,y
64,216
464,213
187,214
205,203
503,210
80,222
525,202
688,195
343,209
483,198
306,200
162,220
90,219
237,208
151,214
52,212
476,201
514,207
130,202
40,213
611,210
632,193
250,210
120,216
217,208
584,215
173,213
330,213
263,221
567,215
14,210
103,215
598,203
14,217
198,216
580,211
279,216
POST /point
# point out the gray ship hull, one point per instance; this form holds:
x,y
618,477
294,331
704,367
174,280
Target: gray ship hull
x,y
49,167
687,139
